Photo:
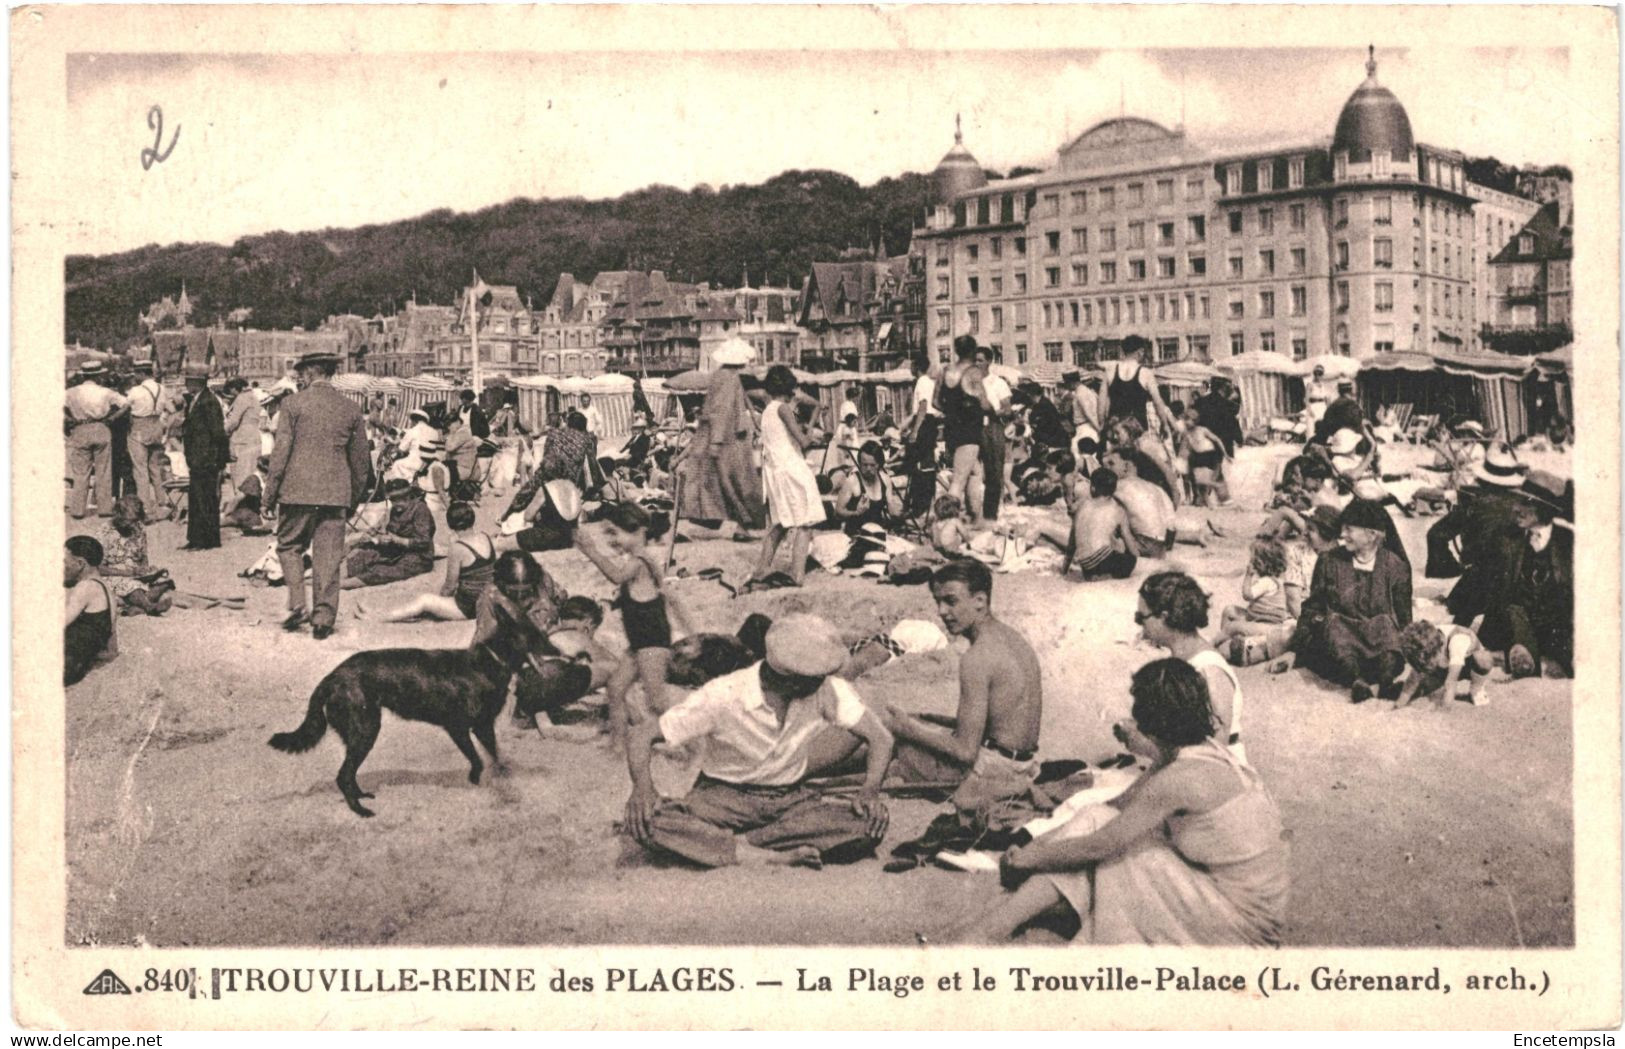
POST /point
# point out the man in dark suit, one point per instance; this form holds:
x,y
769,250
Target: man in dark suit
x,y
1531,619
203,437
320,471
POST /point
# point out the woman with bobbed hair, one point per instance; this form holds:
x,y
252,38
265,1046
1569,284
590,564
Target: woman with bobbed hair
x,y
1192,853
1173,608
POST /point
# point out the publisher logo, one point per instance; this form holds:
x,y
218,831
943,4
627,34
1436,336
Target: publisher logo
x,y
107,983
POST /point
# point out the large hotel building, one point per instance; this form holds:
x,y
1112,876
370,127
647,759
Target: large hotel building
x,y
1363,245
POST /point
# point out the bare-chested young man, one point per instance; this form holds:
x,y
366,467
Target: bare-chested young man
x,y
1151,514
991,745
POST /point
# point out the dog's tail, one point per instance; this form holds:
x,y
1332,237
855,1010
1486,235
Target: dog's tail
x,y
310,731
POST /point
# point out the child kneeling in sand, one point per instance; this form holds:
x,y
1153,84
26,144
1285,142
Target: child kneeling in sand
x,y
1437,657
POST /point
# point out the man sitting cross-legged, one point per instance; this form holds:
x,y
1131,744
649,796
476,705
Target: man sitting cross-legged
x,y
750,805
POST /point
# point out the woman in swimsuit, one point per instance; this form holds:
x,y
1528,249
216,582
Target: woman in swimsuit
x,y
961,400
87,632
469,568
624,556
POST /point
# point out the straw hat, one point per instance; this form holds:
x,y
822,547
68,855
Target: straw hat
x,y
1500,467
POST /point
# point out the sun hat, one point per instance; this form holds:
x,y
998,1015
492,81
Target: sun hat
x,y
1500,467
1549,490
316,358
804,645
734,352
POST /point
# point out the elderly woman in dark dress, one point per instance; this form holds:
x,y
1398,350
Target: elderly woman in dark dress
x,y
1359,600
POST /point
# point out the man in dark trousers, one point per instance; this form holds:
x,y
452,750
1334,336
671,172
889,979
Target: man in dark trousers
x,y
319,474
203,436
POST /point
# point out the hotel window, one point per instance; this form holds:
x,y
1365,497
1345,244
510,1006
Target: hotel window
x,y
1196,229
1052,276
982,212
1021,353
1206,314
1049,315
1131,309
1165,267
973,286
1235,266
1382,211
1266,175
1107,197
1136,235
1384,297
1383,338
1136,194
1340,210
1266,261
942,322
1266,304
1165,234
1021,316
1021,283
1342,254
1136,269
1382,253
1448,312
1300,300
1162,308
972,252
995,286
1190,306
1080,240
1232,179
1052,204
1380,161
1294,173
1080,201
1174,306
1266,220
1343,339
942,287
997,319
1053,352
1526,244
995,247
1108,238
1340,166
1080,273
1193,189
1165,190
1300,345
1342,296
1052,242
1266,341
1075,313
1108,273
1021,246
1236,310
1296,216
1238,343
1168,349
1088,314
1447,260
1235,222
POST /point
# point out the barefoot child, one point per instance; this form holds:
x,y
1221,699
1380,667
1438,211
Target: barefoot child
x,y
793,499
1265,591
626,559
1433,652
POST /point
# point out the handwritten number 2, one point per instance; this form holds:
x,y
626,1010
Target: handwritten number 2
x,y
155,120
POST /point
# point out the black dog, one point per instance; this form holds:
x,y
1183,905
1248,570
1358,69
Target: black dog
x,y
461,690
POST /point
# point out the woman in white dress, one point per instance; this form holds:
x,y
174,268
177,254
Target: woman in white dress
x,y
793,499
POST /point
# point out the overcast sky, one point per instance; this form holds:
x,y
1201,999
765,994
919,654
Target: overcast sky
x,y
301,143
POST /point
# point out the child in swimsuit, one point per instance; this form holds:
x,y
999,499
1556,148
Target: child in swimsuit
x,y
623,555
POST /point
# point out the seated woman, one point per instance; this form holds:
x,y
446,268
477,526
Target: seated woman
x,y
1192,853
403,548
244,511
468,572
87,632
1359,600
124,567
1173,610
1532,620
867,495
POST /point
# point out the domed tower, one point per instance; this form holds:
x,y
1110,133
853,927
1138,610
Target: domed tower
x,y
958,172
1373,129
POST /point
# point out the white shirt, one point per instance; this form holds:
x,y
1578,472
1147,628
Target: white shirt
x,y
744,742
594,423
998,392
847,408
92,402
150,404
925,391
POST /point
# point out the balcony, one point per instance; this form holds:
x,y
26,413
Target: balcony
x,y
1526,339
1524,293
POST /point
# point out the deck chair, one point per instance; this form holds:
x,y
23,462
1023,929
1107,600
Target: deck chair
x,y
1416,432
